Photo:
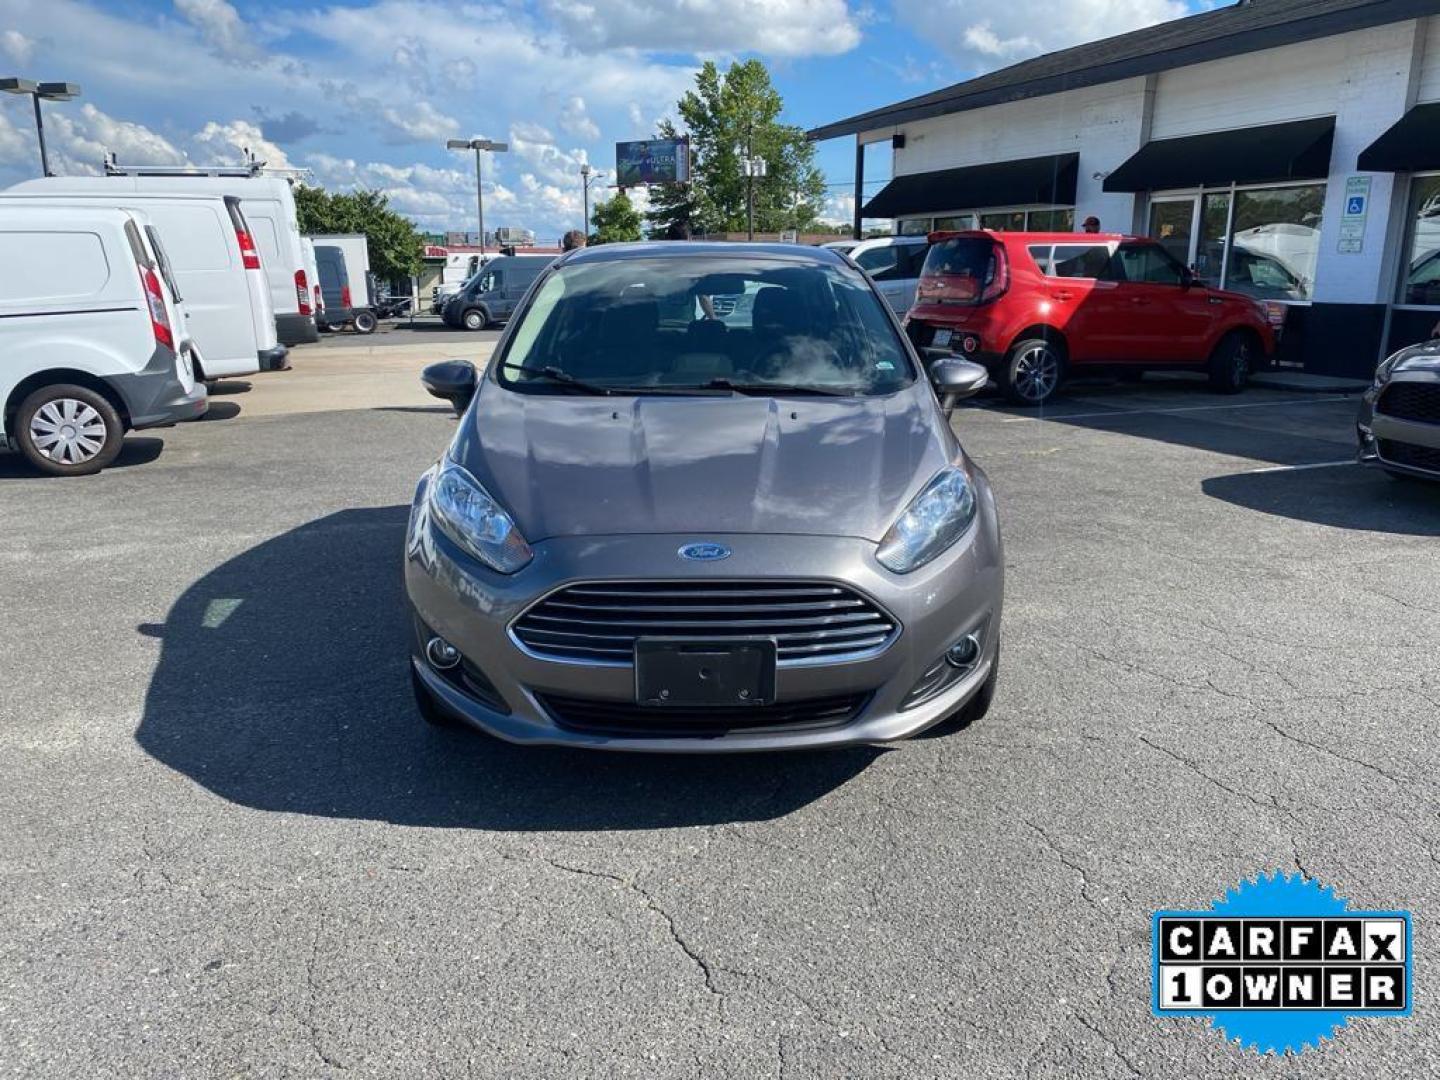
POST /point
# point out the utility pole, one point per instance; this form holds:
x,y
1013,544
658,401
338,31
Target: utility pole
x,y
753,167
588,176
477,145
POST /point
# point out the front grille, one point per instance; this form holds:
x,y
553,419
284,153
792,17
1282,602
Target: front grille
x,y
628,719
809,620
1419,402
1409,455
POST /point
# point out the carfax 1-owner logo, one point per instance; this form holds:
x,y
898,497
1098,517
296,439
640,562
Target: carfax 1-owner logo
x,y
1279,963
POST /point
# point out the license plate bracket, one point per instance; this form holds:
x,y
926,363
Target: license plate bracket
x,y
685,673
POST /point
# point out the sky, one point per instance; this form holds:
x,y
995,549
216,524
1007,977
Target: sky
x,y
366,94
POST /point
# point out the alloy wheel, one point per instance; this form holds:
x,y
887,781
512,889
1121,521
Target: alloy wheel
x,y
1037,372
67,431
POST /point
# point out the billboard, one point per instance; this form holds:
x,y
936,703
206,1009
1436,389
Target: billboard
x,y
652,161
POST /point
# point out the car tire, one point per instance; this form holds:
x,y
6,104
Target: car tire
x,y
476,319
431,711
47,414
1229,366
365,322
1034,369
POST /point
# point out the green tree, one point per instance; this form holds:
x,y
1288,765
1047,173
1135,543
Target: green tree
x,y
728,117
616,221
395,245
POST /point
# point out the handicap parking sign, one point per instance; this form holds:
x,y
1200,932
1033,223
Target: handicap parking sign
x,y
1355,205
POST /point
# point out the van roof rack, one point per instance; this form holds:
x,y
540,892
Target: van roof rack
x,y
252,166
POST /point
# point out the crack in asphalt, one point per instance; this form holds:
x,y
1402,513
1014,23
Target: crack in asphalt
x,y
1402,781
629,883
1272,804
316,1042
1091,1026
1067,860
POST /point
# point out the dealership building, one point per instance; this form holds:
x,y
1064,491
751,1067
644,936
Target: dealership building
x,y
1288,149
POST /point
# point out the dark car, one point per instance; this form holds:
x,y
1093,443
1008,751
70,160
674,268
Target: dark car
x,y
491,295
657,529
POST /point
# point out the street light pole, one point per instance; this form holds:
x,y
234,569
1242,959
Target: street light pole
x,y
50,91
477,145
588,176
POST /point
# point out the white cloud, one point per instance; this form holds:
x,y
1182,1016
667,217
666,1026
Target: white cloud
x,y
574,120
221,27
17,46
420,122
217,144
771,27
985,35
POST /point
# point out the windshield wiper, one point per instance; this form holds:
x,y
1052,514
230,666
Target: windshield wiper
x,y
762,389
564,378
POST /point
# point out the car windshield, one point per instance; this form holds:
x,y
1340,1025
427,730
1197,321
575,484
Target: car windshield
x,y
741,323
958,269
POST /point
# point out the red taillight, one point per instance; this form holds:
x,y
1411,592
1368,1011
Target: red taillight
x,y
159,320
302,292
319,299
345,296
248,255
999,279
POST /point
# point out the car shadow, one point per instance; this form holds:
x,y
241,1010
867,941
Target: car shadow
x,y
135,450
226,387
1263,425
220,410
282,685
1344,497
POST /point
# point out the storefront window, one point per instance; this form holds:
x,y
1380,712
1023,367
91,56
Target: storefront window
x,y
915,226
1420,275
955,223
1052,220
1210,251
1004,221
1275,242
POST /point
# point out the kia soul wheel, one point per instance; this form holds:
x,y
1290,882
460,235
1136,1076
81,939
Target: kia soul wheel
x,y
1033,371
68,430
1230,364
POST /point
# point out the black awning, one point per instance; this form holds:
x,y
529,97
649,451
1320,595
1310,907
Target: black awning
x,y
1299,150
1047,180
1413,142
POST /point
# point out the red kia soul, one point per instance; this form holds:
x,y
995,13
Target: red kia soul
x,y
1033,307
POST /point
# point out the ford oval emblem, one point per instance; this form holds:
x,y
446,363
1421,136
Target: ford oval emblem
x,y
705,552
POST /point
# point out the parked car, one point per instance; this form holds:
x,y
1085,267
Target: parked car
x,y
268,205
893,262
92,339
352,306
1033,307
491,295
704,536
1399,423
216,265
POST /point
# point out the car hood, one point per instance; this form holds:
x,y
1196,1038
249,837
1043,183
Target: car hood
x,y
565,465
1423,357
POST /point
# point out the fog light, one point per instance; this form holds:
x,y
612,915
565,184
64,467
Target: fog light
x,y
964,652
442,655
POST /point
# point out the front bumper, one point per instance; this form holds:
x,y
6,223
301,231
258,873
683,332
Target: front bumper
x,y
473,608
1379,437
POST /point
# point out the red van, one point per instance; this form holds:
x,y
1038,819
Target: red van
x,y
1033,306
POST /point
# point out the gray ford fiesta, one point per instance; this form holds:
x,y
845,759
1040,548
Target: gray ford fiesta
x,y
704,498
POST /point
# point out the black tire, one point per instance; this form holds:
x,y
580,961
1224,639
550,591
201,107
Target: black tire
x,y
365,322
475,319
99,423
1033,370
430,710
1230,363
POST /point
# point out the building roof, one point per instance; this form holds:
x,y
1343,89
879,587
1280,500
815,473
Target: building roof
x,y
1243,27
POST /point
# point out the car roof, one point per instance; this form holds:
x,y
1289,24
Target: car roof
x,y
1043,237
714,249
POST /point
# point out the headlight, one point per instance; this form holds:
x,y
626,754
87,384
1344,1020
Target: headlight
x,y
934,520
468,515
1387,368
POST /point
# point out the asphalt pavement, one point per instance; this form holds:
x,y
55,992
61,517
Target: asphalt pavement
x,y
421,330
231,847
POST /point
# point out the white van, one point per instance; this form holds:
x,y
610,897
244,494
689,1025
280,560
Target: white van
x,y
312,277
208,243
893,262
92,341
269,206
353,250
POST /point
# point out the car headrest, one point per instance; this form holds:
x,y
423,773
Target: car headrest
x,y
778,310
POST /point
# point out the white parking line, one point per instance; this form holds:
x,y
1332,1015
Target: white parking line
x,y
1302,468
1316,400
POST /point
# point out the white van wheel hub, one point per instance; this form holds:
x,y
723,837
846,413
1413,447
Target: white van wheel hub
x,y
67,431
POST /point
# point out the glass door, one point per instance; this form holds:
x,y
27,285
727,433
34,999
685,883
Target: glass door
x,y
1172,222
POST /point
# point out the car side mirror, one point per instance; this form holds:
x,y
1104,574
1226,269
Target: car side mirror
x,y
954,378
453,380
